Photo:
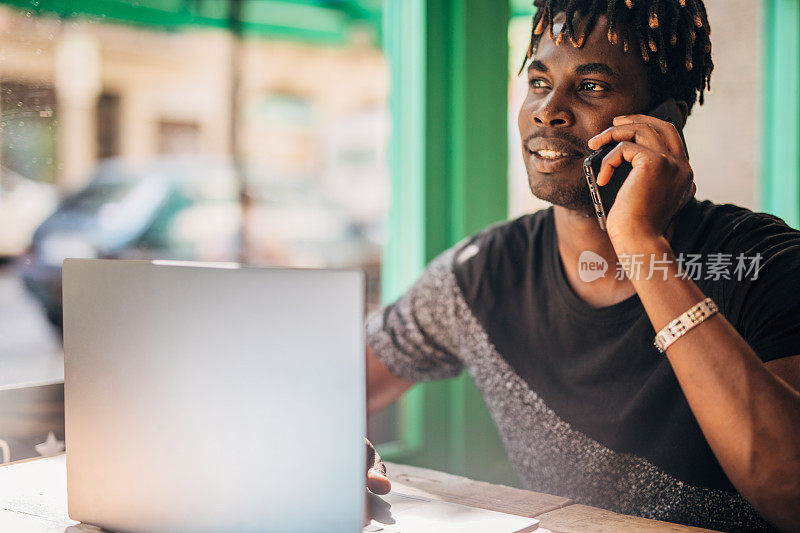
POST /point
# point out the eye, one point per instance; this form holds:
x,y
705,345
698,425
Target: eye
x,y
537,83
592,87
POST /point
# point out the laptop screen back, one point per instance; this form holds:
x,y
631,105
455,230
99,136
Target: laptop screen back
x,y
220,398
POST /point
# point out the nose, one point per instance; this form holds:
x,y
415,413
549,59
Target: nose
x,y
552,112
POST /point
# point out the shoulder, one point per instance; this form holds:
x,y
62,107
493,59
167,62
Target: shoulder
x,y
741,222
498,252
750,266
740,240
728,228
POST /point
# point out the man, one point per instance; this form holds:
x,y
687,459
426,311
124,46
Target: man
x,y
706,434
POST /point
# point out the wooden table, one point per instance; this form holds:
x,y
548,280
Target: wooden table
x,y
33,498
556,514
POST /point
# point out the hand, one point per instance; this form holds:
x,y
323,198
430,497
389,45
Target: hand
x,y
660,183
377,481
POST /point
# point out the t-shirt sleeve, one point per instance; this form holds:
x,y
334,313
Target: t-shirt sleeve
x,y
415,337
766,302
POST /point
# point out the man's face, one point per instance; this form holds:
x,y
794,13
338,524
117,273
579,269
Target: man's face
x,y
574,94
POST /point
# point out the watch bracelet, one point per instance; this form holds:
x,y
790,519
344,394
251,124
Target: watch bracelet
x,y
683,323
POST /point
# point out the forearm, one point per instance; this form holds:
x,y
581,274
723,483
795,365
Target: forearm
x,y
750,417
383,387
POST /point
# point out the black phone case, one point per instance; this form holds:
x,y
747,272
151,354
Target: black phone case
x,y
603,197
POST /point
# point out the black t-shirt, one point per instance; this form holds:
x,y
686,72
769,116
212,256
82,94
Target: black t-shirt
x,y
585,404
598,367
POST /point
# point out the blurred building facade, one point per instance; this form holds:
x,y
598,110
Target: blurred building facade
x,y
76,91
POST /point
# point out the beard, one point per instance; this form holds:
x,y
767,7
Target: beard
x,y
566,188
570,194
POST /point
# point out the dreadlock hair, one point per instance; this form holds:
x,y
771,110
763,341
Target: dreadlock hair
x,y
672,37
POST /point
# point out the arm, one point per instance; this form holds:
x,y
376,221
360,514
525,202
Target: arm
x,y
416,339
383,387
748,411
749,415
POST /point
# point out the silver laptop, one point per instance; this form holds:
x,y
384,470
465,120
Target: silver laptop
x,y
212,397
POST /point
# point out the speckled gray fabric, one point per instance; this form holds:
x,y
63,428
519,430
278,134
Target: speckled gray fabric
x,y
431,333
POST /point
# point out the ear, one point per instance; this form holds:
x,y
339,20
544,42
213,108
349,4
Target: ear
x,y
684,109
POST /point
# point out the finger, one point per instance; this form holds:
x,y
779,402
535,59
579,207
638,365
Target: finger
x,y
373,459
667,130
624,151
377,481
643,134
627,119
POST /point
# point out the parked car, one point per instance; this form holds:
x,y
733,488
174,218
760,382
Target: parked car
x,y
24,204
189,209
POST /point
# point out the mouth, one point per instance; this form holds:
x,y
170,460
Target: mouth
x,y
550,161
552,155
548,155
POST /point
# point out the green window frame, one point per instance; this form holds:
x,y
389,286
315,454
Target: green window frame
x,y
780,137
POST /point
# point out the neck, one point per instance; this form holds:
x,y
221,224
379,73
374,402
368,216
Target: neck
x,y
577,233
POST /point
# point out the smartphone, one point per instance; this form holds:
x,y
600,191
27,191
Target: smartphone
x,y
603,197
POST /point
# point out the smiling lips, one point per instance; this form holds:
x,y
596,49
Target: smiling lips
x,y
549,154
